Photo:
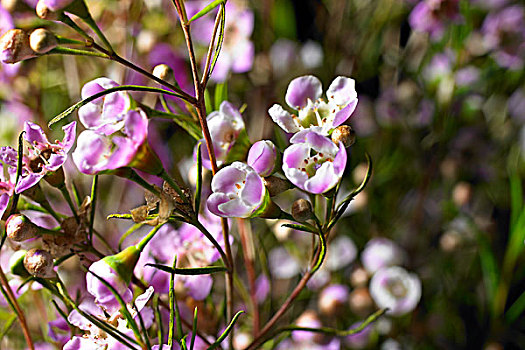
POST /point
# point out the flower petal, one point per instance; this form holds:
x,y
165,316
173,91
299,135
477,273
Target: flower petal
x,y
283,119
236,208
34,133
253,191
301,89
345,113
342,91
323,180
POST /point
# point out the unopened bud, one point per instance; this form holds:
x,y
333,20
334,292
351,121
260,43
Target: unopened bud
x,y
44,12
302,210
42,40
162,71
39,263
14,46
276,185
344,134
19,228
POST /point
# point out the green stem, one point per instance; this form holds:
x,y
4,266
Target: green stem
x,y
67,197
94,186
140,246
93,25
75,52
133,176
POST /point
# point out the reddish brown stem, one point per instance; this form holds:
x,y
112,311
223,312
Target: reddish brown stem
x,y
21,316
248,253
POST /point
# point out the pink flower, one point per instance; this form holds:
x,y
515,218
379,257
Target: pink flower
x,y
238,192
304,95
98,152
313,162
43,157
262,157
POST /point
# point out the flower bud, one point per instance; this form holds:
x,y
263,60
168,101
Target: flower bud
x,y
344,134
162,71
302,210
14,46
39,263
16,264
262,157
44,12
332,299
42,40
275,185
19,228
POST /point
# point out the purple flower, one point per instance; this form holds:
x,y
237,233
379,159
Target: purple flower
x,y
238,192
262,157
304,95
97,152
225,125
504,33
104,115
379,253
333,298
103,296
7,176
55,5
95,338
432,16
396,289
43,157
313,162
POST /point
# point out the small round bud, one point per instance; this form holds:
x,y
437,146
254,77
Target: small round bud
x,y
44,12
39,263
14,46
162,71
344,134
275,185
302,210
42,40
19,228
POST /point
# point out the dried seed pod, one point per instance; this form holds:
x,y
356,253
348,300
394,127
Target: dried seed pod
x,y
19,228
275,185
344,134
302,210
39,263
14,46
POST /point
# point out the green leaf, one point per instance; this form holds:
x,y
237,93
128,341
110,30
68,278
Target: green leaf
x,y
301,228
516,196
220,41
221,94
322,254
331,331
516,310
226,331
194,329
345,202
240,148
7,326
185,122
206,9
85,101
189,271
